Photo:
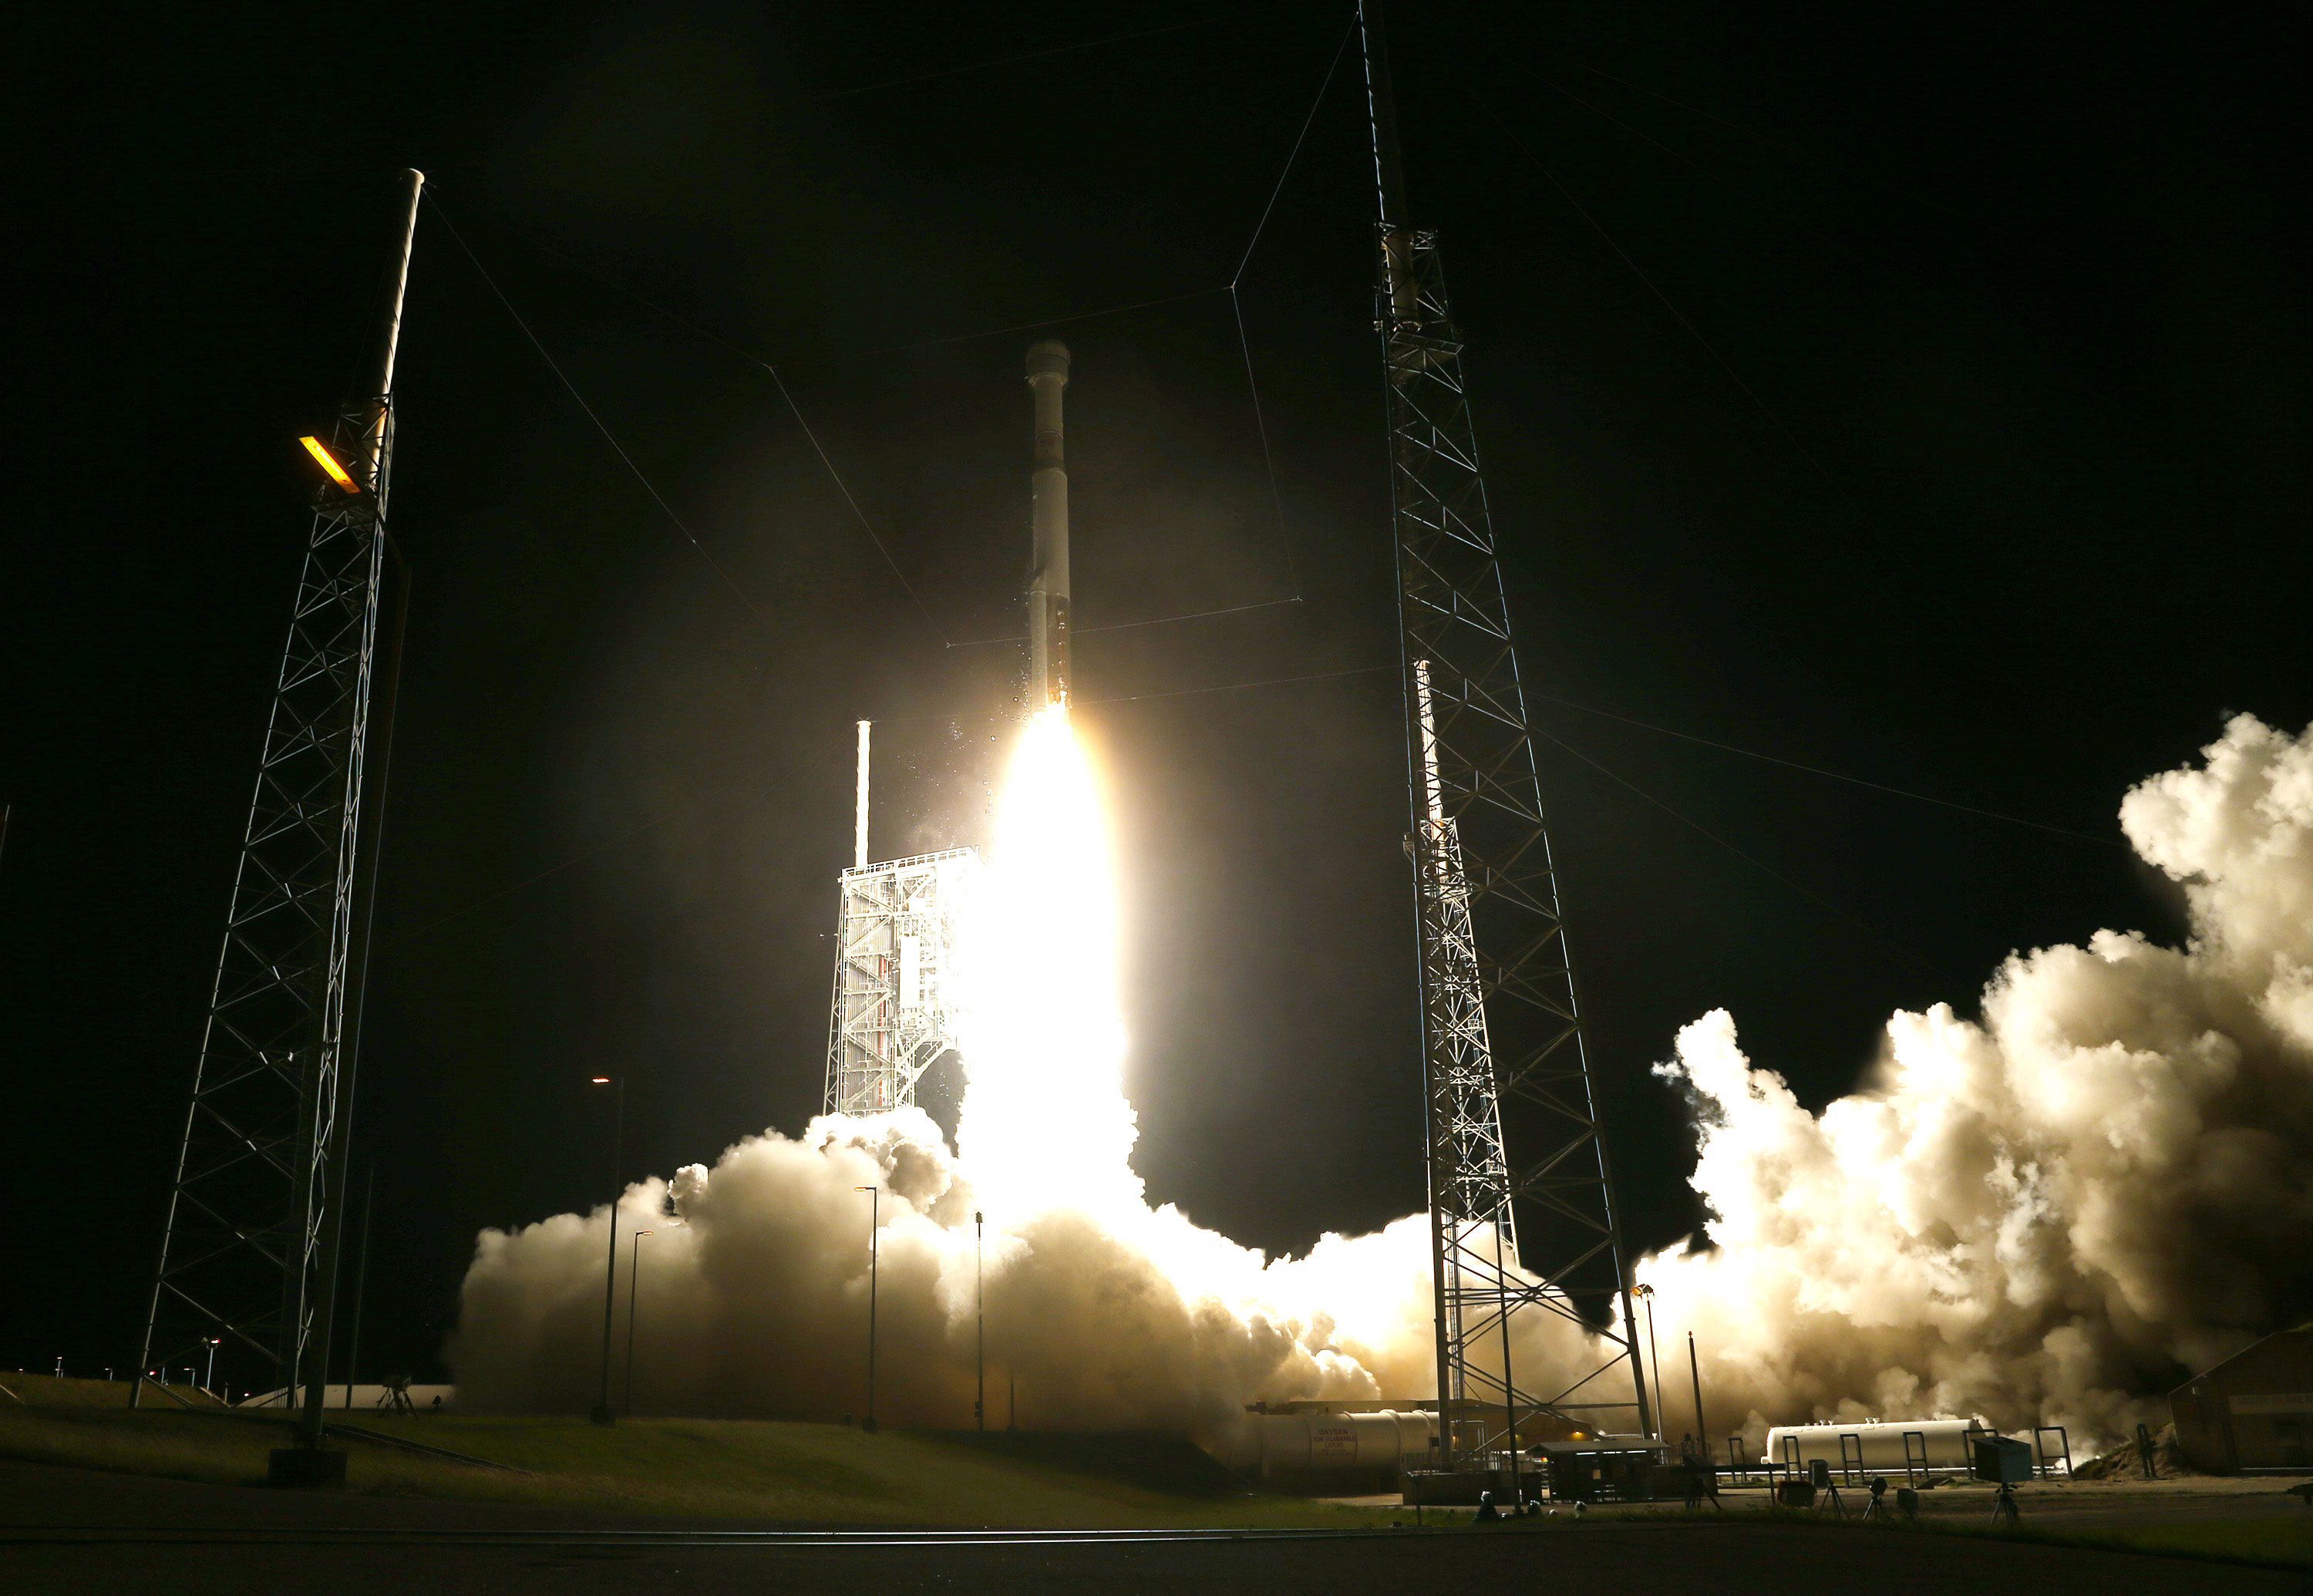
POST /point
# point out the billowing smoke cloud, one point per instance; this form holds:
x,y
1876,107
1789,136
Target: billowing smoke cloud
x,y
756,1300
2037,1215
2046,1213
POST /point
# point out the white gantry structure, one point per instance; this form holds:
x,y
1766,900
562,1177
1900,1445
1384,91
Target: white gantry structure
x,y
897,998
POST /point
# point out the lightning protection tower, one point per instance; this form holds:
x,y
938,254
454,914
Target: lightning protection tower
x,y
1522,1223
895,1008
247,1247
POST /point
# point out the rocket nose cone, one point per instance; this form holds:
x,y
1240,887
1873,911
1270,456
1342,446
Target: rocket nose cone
x,y
1049,358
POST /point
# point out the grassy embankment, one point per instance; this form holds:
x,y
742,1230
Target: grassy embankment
x,y
830,1473
2282,1542
791,1473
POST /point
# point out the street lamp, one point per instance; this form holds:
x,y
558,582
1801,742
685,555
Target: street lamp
x,y
979,1298
874,1237
208,1381
1647,1294
634,1282
602,1413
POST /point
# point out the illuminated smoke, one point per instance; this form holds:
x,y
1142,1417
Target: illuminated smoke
x,y
1106,1312
2054,1210
2040,1214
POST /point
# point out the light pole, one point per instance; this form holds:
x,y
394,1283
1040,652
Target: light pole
x,y
1694,1367
874,1239
208,1381
634,1282
980,1299
602,1413
361,1286
1647,1294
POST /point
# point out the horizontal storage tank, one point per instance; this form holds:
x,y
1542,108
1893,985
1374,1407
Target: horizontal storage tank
x,y
1939,1443
1288,1444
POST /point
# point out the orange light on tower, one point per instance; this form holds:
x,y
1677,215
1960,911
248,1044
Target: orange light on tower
x,y
329,462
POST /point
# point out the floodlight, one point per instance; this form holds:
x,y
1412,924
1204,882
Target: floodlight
x,y
329,462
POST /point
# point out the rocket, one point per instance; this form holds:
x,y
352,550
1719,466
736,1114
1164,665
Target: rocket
x,y
1048,578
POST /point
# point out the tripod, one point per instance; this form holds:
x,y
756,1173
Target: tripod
x,y
2003,1506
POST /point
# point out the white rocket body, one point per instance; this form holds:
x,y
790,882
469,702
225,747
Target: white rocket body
x,y
1048,581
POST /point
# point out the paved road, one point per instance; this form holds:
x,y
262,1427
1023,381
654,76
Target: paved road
x,y
64,1529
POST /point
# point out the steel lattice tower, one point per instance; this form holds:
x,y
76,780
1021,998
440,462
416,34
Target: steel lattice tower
x,y
1502,1045
243,1251
896,1007
893,1014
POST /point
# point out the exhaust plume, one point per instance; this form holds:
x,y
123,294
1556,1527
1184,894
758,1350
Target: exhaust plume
x,y
2056,1209
2045,1214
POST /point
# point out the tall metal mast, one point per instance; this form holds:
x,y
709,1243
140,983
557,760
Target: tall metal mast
x,y
1501,1034
242,1250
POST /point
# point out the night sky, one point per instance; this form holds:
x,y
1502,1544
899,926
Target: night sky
x,y
1916,396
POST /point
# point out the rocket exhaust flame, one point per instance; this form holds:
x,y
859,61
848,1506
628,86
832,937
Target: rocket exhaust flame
x,y
1045,1123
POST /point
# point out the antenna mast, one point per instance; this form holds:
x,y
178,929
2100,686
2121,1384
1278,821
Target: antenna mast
x,y
1501,1034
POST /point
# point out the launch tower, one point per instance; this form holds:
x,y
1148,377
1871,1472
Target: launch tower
x,y
247,1251
1512,1121
895,1008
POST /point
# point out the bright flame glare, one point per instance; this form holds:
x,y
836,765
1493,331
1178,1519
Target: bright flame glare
x,y
1045,1123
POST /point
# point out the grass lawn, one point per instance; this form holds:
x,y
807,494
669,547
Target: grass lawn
x,y
819,1474
44,1390
2286,1542
2282,1540
835,1474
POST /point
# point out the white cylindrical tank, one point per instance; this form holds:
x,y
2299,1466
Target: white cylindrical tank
x,y
1882,1443
1287,1443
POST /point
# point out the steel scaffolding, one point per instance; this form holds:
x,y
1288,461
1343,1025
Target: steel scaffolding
x,y
895,1010
251,1215
1504,1068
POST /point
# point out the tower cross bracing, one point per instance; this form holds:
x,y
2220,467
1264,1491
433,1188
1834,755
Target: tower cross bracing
x,y
897,1001
247,1214
1521,1206
251,1220
1502,1034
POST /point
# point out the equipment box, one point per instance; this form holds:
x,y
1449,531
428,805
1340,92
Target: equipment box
x,y
2001,1461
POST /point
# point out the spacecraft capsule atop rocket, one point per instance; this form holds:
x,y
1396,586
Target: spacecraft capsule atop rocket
x,y
1048,581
